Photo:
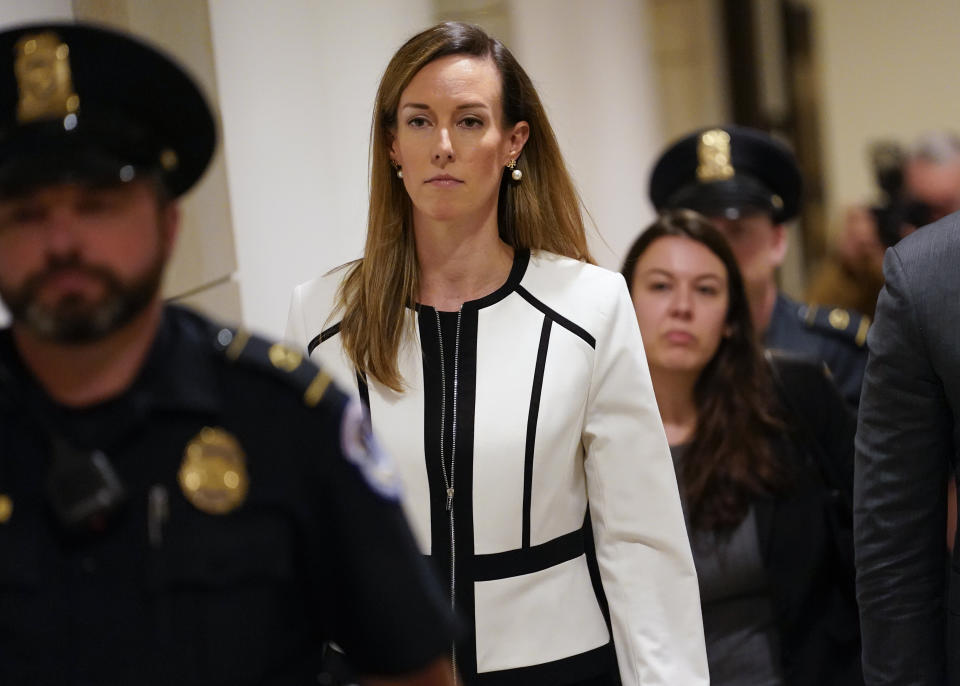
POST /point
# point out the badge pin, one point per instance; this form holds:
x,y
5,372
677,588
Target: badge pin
x,y
713,153
44,80
213,474
283,358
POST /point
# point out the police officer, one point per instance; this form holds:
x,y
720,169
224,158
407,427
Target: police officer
x,y
749,185
180,503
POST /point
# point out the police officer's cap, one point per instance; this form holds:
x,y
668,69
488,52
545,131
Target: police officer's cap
x,y
86,103
728,172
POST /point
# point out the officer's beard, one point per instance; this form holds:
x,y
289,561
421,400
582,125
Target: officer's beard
x,y
75,319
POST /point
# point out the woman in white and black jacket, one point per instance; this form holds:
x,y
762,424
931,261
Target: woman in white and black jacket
x,y
505,374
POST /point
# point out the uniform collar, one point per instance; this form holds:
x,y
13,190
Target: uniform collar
x,y
177,374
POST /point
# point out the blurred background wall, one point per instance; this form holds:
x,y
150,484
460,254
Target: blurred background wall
x,y
294,80
890,69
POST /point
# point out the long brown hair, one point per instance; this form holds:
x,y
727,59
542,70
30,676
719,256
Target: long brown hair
x,y
731,458
540,213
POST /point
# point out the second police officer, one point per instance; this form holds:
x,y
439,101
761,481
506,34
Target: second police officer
x,y
749,185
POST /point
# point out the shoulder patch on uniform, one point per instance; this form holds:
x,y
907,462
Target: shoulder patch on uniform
x,y
844,324
361,448
277,359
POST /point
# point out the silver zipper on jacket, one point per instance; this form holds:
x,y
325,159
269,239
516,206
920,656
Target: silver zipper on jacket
x,y
448,475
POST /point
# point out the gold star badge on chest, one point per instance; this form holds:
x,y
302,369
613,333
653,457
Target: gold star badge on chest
x,y
213,474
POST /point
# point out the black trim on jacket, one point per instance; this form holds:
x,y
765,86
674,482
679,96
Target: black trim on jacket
x,y
529,560
570,670
329,332
557,317
532,416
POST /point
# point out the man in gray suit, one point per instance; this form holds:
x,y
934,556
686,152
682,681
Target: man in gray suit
x,y
907,442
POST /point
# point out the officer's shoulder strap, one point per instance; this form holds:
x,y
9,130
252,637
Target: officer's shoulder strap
x,y
847,325
278,360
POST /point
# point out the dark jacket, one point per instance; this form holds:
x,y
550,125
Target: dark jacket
x,y
805,532
205,584
907,444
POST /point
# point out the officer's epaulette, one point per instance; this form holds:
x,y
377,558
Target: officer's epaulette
x,y
277,359
845,324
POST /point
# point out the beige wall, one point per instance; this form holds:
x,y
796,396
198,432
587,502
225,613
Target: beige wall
x,y
688,60
297,80
889,69
202,267
591,65
14,12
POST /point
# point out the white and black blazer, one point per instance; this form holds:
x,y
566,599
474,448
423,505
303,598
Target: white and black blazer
x,y
554,410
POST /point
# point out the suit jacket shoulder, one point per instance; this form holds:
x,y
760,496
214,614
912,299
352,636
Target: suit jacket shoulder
x,y
313,308
924,267
572,288
906,441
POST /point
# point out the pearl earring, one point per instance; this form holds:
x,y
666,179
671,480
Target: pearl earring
x,y
398,168
515,174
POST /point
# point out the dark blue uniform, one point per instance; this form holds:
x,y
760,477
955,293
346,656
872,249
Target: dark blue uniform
x,y
834,336
258,521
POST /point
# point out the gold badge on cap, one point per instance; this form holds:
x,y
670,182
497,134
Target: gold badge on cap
x,y
42,68
6,508
713,153
213,474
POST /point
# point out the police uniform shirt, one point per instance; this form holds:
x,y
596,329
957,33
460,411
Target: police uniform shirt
x,y
834,336
218,586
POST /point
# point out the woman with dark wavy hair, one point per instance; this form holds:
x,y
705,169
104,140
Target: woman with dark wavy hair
x,y
505,373
763,450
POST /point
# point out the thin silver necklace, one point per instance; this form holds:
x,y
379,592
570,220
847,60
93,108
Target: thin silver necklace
x,y
448,475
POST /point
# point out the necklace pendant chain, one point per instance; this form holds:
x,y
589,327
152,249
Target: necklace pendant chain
x,y
448,474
